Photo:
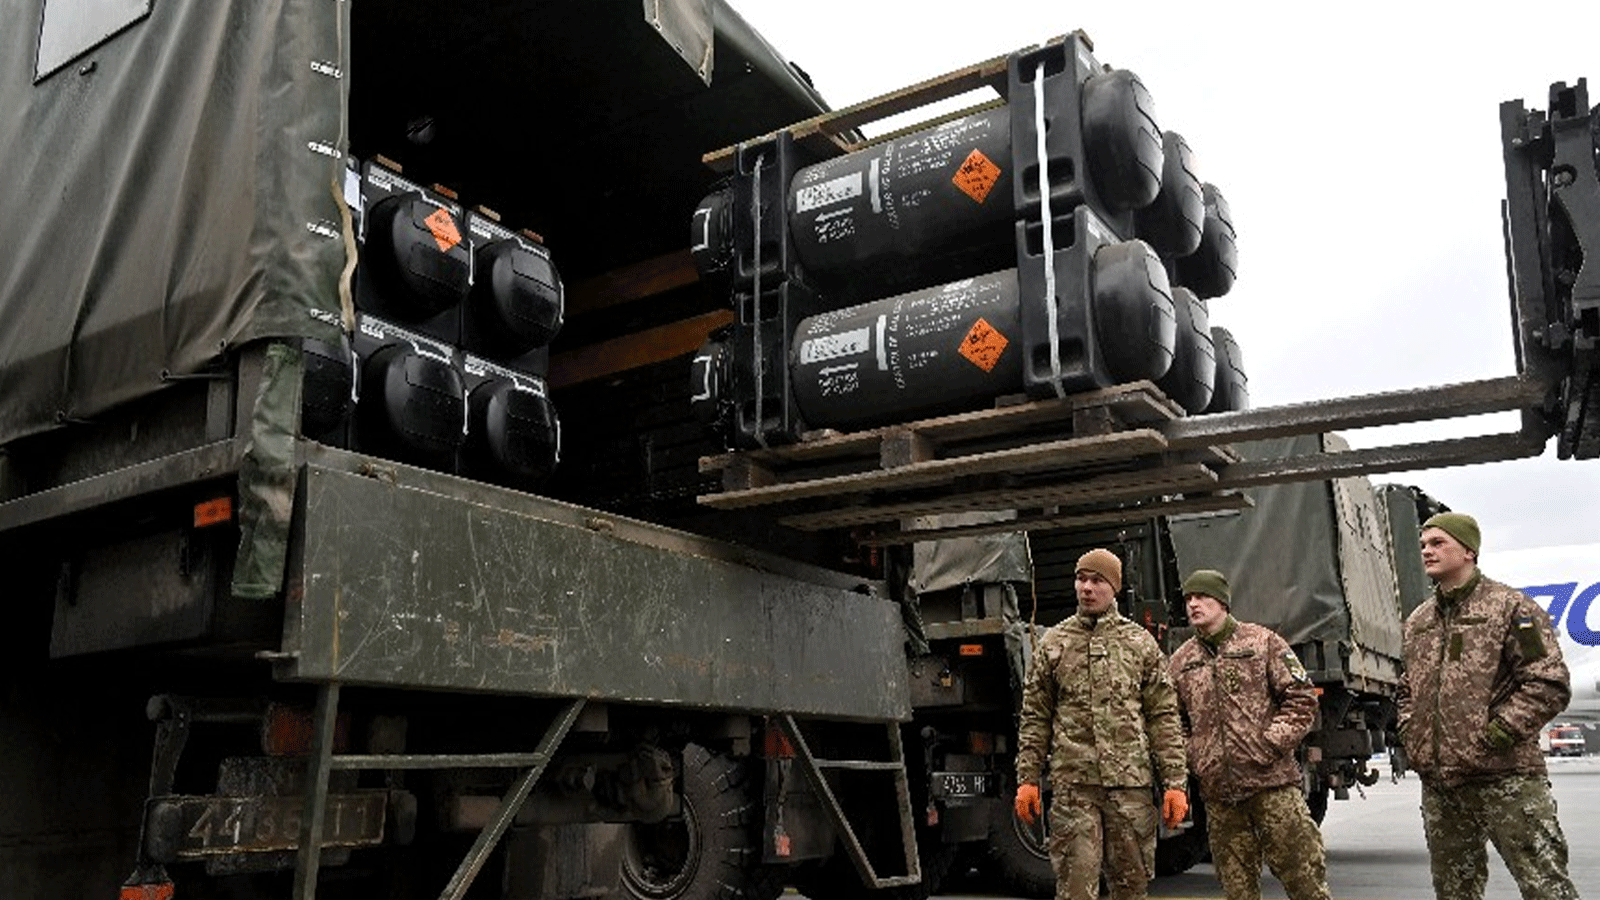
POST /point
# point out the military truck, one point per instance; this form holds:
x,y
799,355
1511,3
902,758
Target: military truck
x,y
345,508
301,306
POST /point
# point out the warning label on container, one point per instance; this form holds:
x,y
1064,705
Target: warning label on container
x,y
983,345
976,176
443,227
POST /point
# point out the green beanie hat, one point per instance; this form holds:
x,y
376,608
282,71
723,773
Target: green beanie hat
x,y
1460,526
1209,582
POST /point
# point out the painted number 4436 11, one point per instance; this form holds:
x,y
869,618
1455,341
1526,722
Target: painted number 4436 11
x,y
197,827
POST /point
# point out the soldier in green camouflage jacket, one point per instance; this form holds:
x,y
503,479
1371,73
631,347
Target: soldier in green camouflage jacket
x,y
1483,674
1099,704
1248,704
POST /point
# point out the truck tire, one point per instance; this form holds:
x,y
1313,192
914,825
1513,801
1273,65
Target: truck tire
x,y
711,851
1018,854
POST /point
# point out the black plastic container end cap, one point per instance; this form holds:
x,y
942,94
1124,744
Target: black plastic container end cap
x,y
519,297
413,402
1135,324
417,256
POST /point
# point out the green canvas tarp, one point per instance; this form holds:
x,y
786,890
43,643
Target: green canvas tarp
x,y
173,190
1312,560
167,195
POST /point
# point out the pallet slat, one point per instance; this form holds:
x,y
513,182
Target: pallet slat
x,y
1134,403
1031,458
1099,489
1096,456
1222,502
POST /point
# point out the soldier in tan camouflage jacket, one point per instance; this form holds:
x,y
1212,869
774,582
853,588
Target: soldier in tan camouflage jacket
x,y
1483,674
1247,704
1099,704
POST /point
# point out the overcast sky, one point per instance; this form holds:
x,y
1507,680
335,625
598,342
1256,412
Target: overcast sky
x,y
1358,145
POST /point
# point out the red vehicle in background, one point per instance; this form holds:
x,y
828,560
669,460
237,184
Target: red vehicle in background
x,y
1566,740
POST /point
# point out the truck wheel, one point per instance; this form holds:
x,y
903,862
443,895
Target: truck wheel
x,y
1018,851
711,851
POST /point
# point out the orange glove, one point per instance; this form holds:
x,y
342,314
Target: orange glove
x,y
1174,807
1027,803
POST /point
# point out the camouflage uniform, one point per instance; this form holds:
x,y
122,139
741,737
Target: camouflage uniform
x,y
1248,703
1481,661
1098,701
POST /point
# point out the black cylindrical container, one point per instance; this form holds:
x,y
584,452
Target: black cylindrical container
x,y
1173,222
416,255
1192,378
1209,271
412,406
911,197
517,300
709,388
1122,141
1135,325
1232,387
328,394
941,203
513,434
931,351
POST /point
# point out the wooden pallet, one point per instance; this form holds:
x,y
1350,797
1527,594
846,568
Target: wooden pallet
x,y
1092,458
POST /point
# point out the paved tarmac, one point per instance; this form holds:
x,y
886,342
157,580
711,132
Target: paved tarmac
x,y
1376,850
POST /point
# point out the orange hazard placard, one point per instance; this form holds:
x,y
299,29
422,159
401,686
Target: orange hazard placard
x,y
983,345
443,226
976,176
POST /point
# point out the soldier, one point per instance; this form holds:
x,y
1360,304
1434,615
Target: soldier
x,y
1099,704
1483,674
1248,703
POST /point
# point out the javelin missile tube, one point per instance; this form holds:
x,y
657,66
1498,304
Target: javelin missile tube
x,y
1065,215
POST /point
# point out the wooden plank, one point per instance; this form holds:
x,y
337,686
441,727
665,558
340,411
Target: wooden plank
x,y
1135,396
1213,503
836,123
632,351
637,281
965,628
745,474
864,444
1139,399
904,447
1119,486
1030,458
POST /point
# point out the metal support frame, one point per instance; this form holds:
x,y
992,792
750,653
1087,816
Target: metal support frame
x,y
319,767
1416,405
813,768
323,762
491,834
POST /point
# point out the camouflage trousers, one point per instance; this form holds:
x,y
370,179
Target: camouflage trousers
x,y
1273,825
1094,829
1518,815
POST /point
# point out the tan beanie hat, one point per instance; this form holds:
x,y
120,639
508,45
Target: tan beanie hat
x,y
1103,563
